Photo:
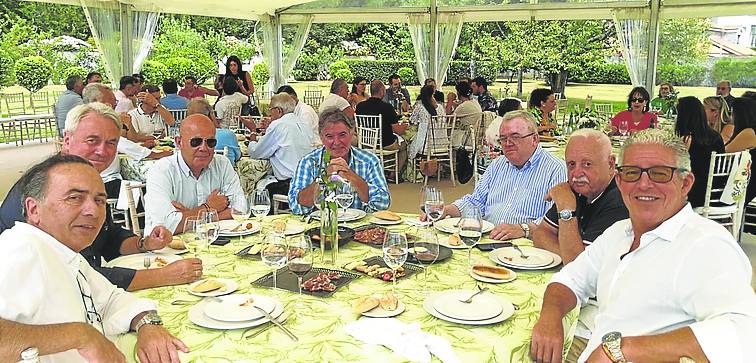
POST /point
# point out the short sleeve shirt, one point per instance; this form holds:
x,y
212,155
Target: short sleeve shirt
x,y
375,106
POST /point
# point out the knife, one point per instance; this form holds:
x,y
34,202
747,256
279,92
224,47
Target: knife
x,y
276,323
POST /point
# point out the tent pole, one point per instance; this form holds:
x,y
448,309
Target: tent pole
x,y
433,54
277,68
653,44
126,53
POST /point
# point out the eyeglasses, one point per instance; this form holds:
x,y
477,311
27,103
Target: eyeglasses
x,y
638,100
657,174
514,138
362,84
197,141
93,317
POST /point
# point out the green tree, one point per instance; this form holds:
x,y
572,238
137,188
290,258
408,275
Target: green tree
x,y
33,72
55,19
683,41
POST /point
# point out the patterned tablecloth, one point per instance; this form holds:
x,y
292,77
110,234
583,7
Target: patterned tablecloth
x,y
319,322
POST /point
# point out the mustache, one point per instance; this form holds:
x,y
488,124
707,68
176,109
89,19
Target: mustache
x,y
580,180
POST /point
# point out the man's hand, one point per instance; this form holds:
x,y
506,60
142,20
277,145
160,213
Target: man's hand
x,y
547,340
563,196
507,231
598,356
150,142
155,344
95,348
182,271
217,201
158,238
179,207
340,167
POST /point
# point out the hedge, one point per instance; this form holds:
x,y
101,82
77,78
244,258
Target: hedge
x,y
408,76
741,72
33,72
681,74
379,69
611,73
74,71
6,68
155,72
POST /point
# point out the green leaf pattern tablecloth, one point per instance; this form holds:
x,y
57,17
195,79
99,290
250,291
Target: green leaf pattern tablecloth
x,y
318,322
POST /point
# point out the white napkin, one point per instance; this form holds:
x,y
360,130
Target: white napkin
x,y
406,340
123,202
416,222
737,182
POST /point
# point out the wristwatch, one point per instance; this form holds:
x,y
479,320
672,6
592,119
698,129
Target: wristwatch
x,y
566,214
151,318
612,344
526,229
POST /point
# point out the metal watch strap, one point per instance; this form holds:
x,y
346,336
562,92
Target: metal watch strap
x,y
526,229
151,318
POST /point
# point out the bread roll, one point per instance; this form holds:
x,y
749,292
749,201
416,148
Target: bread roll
x,y
177,244
387,215
207,286
389,302
455,240
279,226
364,304
494,272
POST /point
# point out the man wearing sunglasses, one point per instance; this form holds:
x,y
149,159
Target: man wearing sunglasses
x,y
724,88
669,283
192,180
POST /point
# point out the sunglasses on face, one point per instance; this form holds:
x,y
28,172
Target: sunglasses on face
x,y
638,100
657,174
197,141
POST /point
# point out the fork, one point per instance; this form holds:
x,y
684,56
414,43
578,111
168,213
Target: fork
x,y
522,254
281,319
480,291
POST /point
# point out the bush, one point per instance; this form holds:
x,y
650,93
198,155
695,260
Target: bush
x,y
681,74
155,72
336,67
260,74
74,71
456,71
33,72
6,69
741,72
408,76
314,66
380,69
178,67
344,74
601,72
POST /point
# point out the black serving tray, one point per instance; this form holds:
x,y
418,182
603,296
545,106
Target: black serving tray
x,y
286,280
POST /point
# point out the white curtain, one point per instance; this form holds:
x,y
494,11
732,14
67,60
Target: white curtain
x,y
300,38
419,29
104,18
632,33
449,29
267,46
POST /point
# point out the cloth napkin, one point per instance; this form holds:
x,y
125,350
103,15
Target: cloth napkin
x,y
404,339
123,202
737,182
416,222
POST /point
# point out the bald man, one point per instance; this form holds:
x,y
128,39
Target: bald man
x,y
191,181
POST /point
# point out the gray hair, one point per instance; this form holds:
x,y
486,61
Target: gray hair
x,y
333,116
337,83
661,138
283,101
199,106
376,87
71,82
79,112
94,92
530,120
34,182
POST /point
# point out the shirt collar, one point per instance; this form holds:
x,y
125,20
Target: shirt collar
x,y
670,228
184,167
534,159
610,186
67,255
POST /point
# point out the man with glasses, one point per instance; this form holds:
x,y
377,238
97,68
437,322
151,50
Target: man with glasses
x,y
669,283
44,279
192,180
724,88
511,192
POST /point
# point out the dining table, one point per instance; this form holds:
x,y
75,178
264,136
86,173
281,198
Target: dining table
x,y
319,322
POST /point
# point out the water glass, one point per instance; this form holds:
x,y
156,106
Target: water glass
x,y
192,236
240,212
260,203
211,223
345,195
275,253
434,203
300,257
394,252
623,128
426,252
470,230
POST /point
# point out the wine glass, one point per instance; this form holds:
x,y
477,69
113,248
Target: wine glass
x,y
394,252
240,213
434,204
426,252
623,127
260,203
192,235
470,230
275,253
345,196
211,224
300,258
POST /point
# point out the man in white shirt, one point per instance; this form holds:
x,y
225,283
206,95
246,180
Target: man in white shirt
x,y
150,117
304,112
128,87
192,180
229,105
112,175
337,99
669,283
43,278
287,140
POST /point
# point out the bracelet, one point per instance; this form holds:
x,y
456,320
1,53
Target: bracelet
x,y
140,245
207,207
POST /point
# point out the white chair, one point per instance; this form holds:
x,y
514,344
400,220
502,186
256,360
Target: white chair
x,y
438,146
730,216
557,96
118,216
134,215
370,137
223,152
229,118
604,108
278,201
313,97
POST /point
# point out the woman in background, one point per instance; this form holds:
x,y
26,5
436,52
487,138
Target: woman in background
x,y
242,77
422,112
358,93
637,116
718,116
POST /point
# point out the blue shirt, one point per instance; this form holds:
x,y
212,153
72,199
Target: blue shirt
x,y
174,102
363,163
506,194
67,100
227,138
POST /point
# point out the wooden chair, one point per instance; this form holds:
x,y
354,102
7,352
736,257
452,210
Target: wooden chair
x,y
118,216
604,108
40,102
438,146
370,137
730,216
313,97
229,118
15,103
134,215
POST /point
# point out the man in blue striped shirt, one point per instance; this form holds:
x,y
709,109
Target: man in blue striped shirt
x,y
361,168
511,192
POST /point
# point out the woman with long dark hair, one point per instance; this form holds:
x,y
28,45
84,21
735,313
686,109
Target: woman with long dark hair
x,y
637,116
359,92
425,108
701,139
744,137
242,77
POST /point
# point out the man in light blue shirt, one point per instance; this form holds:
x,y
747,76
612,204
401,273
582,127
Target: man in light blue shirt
x,y
511,192
172,100
68,100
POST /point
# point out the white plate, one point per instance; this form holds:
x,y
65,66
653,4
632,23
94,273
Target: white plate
x,y
350,215
449,225
384,222
492,280
198,317
379,312
230,286
444,241
170,251
536,257
494,256
482,307
136,261
228,224
230,308
293,228
507,311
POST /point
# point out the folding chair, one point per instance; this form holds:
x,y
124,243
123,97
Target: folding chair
x,y
370,137
40,102
313,98
437,145
730,216
15,103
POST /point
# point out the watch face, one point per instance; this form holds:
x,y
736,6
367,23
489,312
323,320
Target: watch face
x,y
565,214
611,336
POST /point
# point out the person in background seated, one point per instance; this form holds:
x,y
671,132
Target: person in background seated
x,y
193,90
637,116
701,141
94,77
749,94
391,129
68,100
719,117
486,100
361,168
128,87
304,112
396,94
669,282
228,107
338,99
506,105
172,100
425,108
192,180
226,138
724,87
437,95
659,104
542,103
359,93
744,137
149,119
510,194
467,110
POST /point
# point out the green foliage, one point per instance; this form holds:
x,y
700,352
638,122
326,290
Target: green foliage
x,y
260,74
177,39
408,76
681,74
457,70
601,72
7,74
486,69
741,72
683,41
386,41
155,72
74,71
313,65
179,67
33,72
337,66
244,50
379,69
55,19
